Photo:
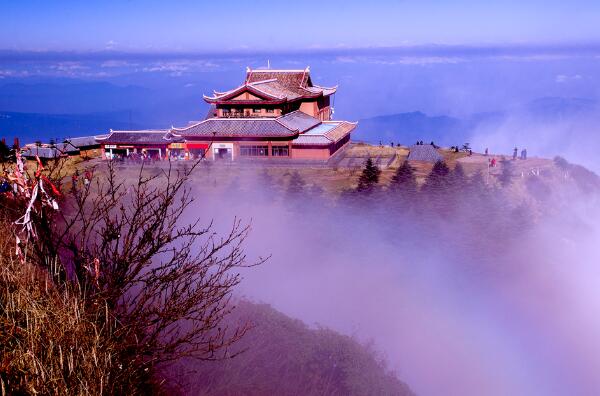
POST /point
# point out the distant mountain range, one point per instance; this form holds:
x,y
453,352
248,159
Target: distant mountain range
x,y
407,128
30,127
61,108
33,112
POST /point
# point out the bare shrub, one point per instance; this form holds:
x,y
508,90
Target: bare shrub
x,y
130,249
52,341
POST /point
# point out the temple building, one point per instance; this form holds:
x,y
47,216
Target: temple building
x,y
273,115
152,143
273,93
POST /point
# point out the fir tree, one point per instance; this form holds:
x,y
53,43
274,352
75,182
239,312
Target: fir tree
x,y
458,175
505,177
437,180
538,188
436,189
316,191
404,178
458,181
369,177
296,185
478,199
477,185
266,180
269,189
403,187
561,163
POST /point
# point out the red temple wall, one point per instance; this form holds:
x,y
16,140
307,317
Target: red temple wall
x,y
310,153
310,107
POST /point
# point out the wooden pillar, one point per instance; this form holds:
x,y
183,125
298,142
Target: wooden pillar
x,y
270,148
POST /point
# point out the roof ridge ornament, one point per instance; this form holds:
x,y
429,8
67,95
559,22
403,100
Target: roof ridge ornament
x,y
248,74
306,70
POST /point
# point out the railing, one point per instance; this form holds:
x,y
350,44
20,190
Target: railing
x,y
246,115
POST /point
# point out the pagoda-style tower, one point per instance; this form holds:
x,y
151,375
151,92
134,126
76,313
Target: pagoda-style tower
x,y
273,93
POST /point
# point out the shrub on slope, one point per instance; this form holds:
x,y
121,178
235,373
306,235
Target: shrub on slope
x,y
282,356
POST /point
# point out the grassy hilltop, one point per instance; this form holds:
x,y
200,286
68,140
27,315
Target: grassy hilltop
x,y
62,331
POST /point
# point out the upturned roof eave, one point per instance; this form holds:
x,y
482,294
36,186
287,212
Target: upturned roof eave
x,y
217,135
250,102
239,90
221,101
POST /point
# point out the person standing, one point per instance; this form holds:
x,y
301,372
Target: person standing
x,y
87,179
74,179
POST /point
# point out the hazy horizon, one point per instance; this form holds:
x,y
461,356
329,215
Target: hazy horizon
x,y
545,98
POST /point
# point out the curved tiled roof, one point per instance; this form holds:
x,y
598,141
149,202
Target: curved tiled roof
x,y
83,141
276,89
312,140
298,120
41,152
340,131
236,127
326,133
288,125
137,137
296,78
284,85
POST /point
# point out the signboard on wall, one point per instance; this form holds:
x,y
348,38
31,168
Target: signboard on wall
x,y
197,146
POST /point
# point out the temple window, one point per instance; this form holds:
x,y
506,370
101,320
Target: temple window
x,y
254,151
280,151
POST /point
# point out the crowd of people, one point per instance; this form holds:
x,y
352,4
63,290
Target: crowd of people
x,y
135,157
145,156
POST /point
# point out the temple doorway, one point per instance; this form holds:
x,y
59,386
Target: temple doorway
x,y
223,152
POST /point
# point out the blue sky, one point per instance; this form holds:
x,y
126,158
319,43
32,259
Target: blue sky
x,y
148,26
